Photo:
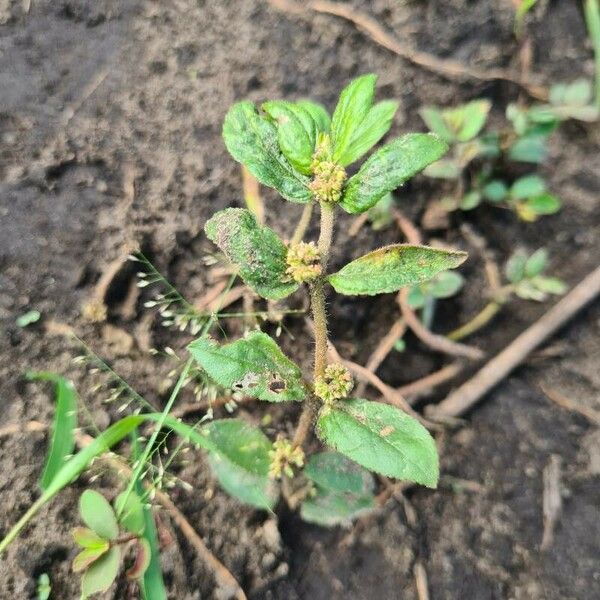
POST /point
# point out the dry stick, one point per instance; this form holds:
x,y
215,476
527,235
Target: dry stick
x,y
501,365
434,341
303,224
451,69
589,413
421,581
29,427
225,580
382,349
551,501
252,196
417,388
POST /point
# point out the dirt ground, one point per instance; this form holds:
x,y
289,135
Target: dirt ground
x,y
110,126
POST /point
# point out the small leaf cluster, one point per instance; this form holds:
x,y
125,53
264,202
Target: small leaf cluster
x,y
525,274
100,557
478,159
444,285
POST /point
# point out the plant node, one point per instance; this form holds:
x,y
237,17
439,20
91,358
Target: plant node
x,y
329,177
303,262
336,383
284,456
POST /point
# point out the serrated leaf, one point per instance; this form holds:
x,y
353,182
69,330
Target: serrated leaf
x,y
254,365
98,515
335,473
393,267
252,140
101,573
515,266
446,284
381,438
389,168
296,133
242,461
62,440
495,191
318,113
334,508
530,149
372,128
536,263
257,251
89,556
87,538
353,105
527,186
434,119
143,554
550,285
130,512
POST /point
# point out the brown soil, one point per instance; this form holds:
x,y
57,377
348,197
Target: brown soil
x,y
98,94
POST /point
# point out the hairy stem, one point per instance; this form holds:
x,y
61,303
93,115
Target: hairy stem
x,y
303,224
317,302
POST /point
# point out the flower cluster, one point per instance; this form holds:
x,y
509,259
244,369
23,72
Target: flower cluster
x,y
303,262
334,384
329,177
284,456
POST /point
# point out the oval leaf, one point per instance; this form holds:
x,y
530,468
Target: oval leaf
x,y
381,438
318,113
389,168
130,512
335,473
253,365
242,462
353,105
101,573
98,514
393,267
252,140
329,509
86,538
257,251
88,556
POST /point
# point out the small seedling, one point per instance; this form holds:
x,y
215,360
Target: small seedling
x,y
101,543
43,588
28,318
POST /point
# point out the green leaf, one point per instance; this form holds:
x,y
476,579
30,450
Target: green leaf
x,y
372,128
381,438
536,263
62,440
393,267
256,250
447,168
241,463
344,490
526,187
400,345
87,538
88,556
544,204
446,284
335,473
28,318
43,588
470,200
130,512
389,168
252,140
318,113
98,515
381,216
467,120
296,133
416,297
550,285
495,191
101,573
329,509
578,93
253,365
528,291
143,556
530,149
515,266
434,119
353,105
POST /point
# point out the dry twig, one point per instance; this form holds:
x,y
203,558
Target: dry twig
x,y
421,582
29,427
416,389
552,500
589,413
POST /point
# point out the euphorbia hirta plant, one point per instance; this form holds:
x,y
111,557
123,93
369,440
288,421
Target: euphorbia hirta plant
x,y
297,149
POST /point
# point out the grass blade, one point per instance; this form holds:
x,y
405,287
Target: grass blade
x,y
62,441
592,19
